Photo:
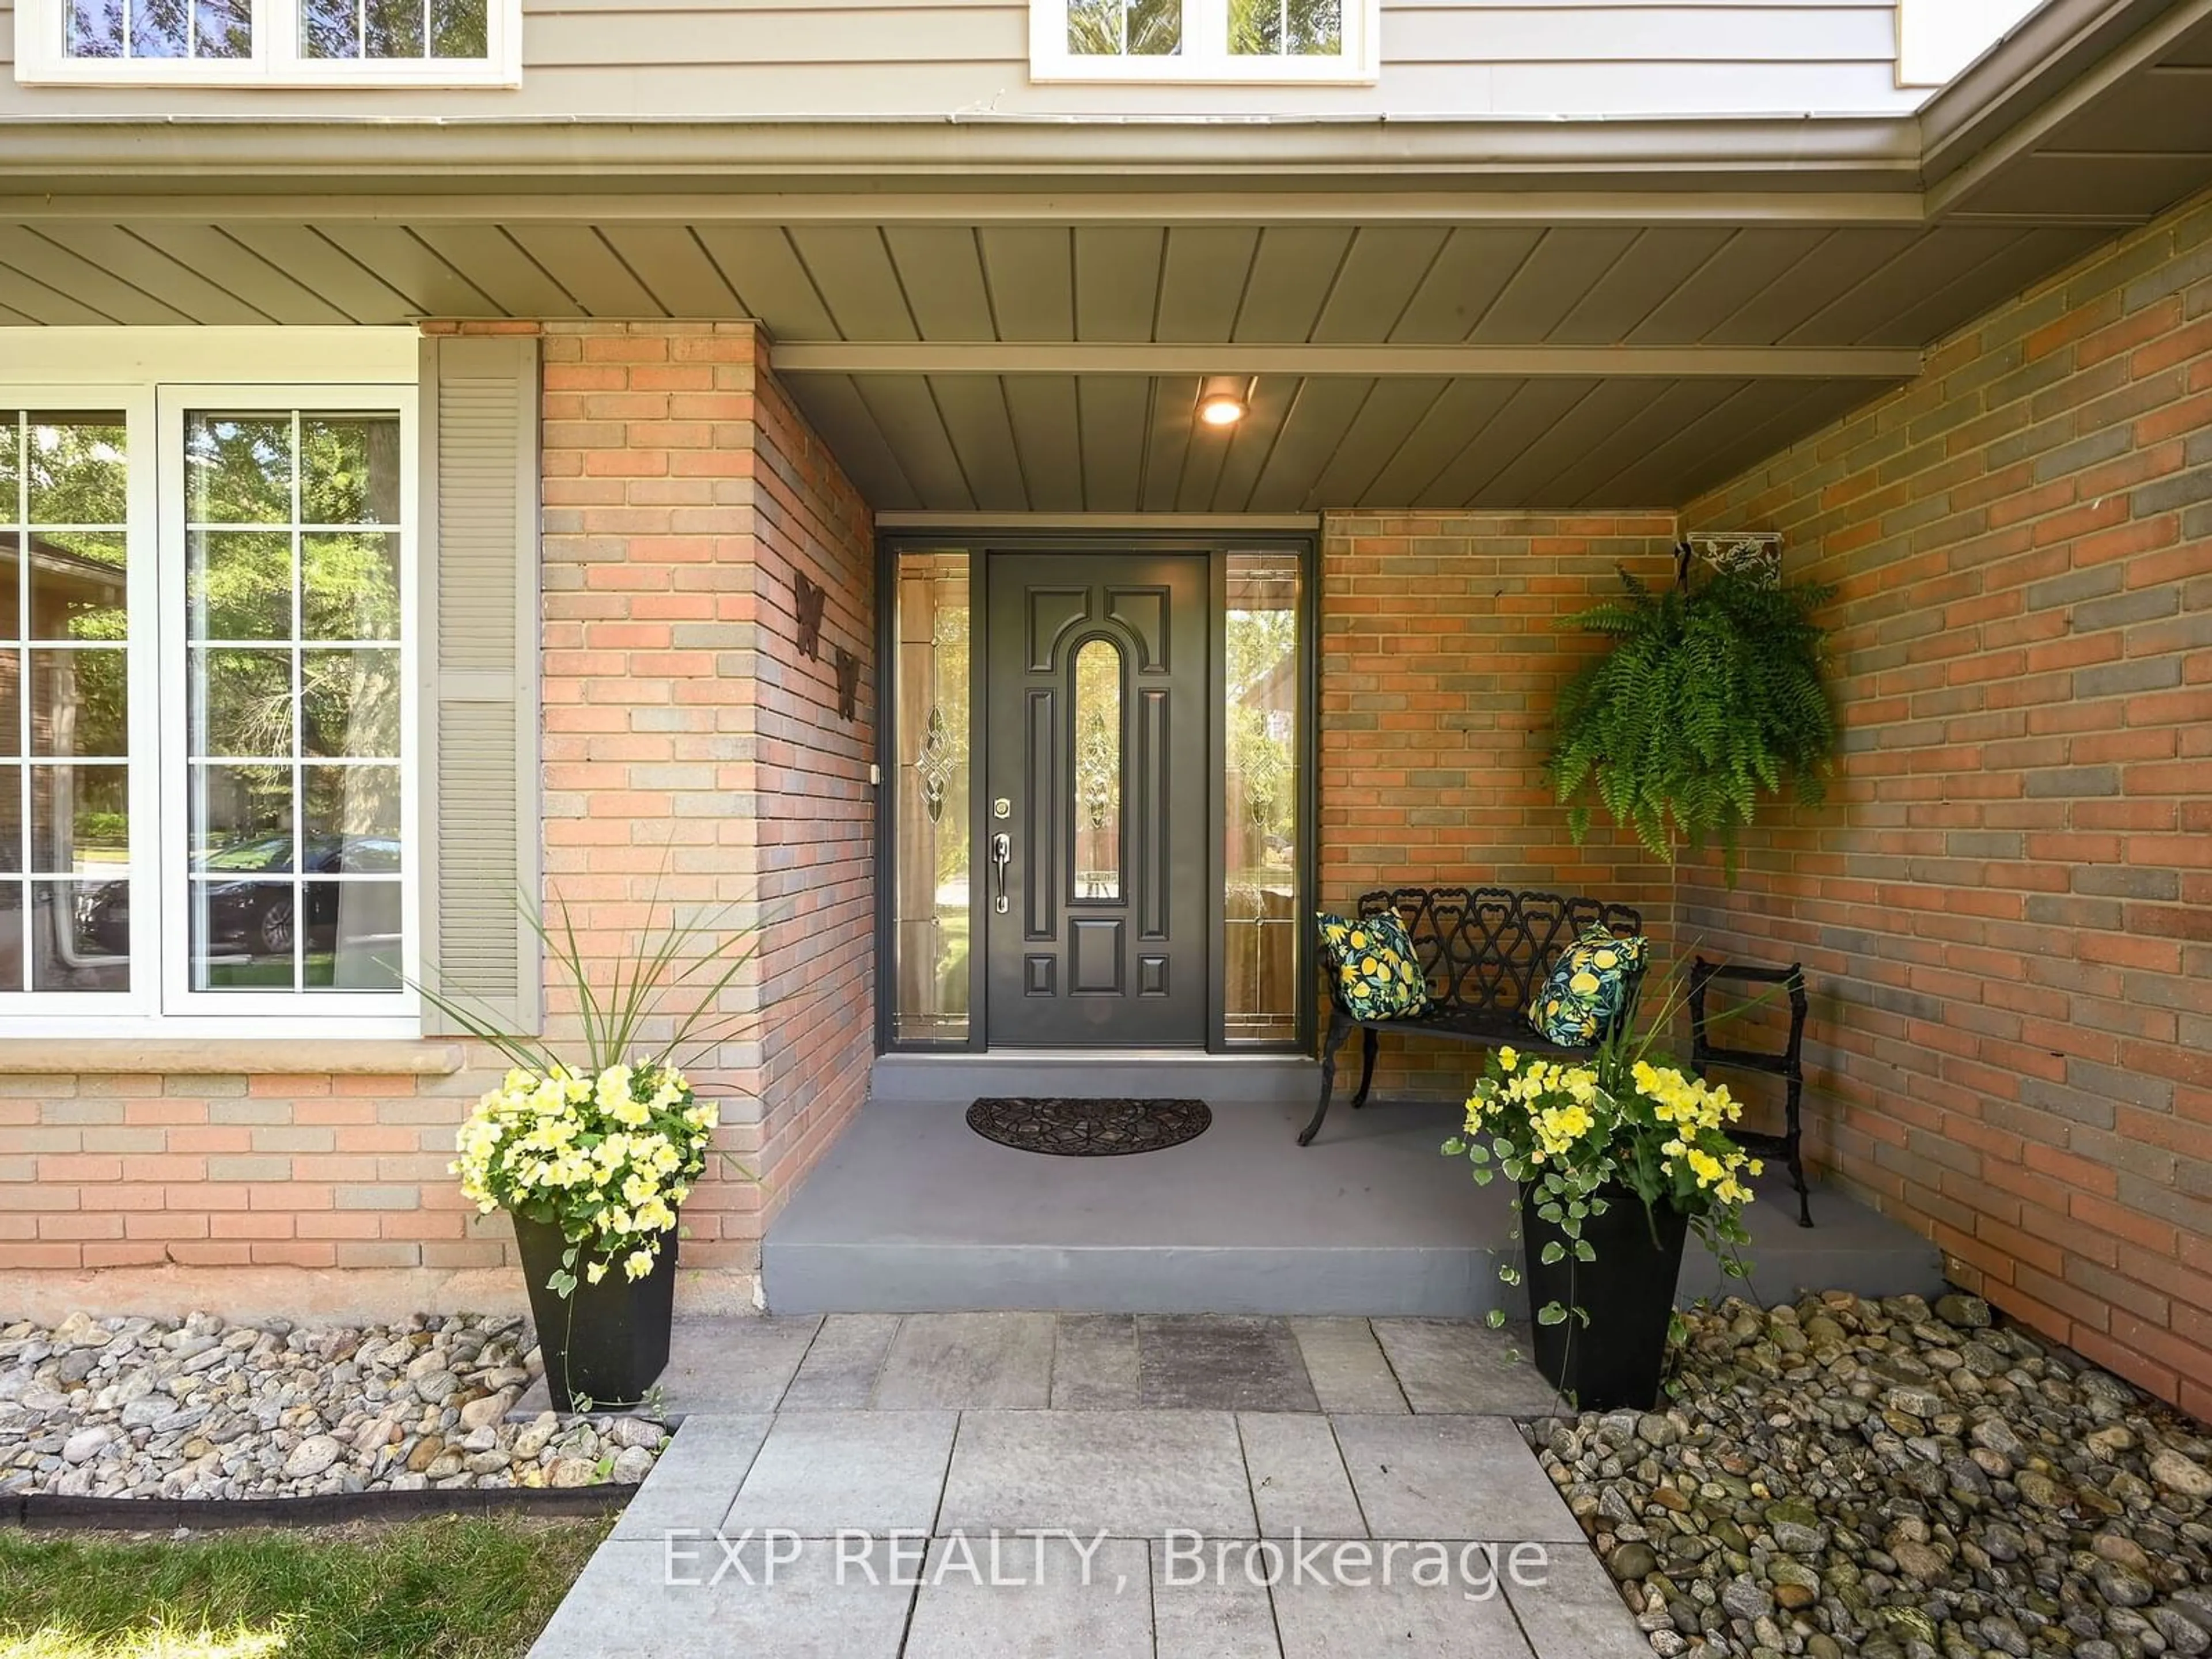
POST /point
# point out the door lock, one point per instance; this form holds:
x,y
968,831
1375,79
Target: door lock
x,y
1002,855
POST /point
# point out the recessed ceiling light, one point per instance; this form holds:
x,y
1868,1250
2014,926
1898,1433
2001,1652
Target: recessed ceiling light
x,y
1221,400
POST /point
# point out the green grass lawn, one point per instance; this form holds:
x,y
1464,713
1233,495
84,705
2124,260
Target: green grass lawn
x,y
458,1589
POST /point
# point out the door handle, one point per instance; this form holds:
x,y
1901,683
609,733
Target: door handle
x,y
1002,855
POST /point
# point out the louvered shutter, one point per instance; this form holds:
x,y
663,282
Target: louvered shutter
x,y
480,694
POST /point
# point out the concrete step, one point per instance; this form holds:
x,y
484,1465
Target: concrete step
x,y
1137,1074
913,1211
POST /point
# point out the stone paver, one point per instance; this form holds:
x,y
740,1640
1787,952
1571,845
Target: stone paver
x,y
938,1425
1347,1619
721,1363
1049,1598
1451,1477
818,1472
969,1361
1199,1612
1347,1366
1218,1364
1134,1475
1451,1366
690,1487
1575,1609
1094,1364
624,1607
838,1370
1298,1482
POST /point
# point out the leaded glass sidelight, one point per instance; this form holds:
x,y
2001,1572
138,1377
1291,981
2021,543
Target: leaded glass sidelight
x,y
1095,816
931,807
1262,787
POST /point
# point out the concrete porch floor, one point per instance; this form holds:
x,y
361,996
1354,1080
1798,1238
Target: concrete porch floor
x,y
912,1211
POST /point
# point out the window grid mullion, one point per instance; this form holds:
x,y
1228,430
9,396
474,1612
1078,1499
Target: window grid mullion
x,y
298,714
20,647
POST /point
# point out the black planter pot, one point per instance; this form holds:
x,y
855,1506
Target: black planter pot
x,y
1612,1363
607,1343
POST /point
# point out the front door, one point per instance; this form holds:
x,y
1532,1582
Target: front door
x,y
1096,800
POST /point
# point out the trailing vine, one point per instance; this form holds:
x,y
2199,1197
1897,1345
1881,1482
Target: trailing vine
x,y
1711,695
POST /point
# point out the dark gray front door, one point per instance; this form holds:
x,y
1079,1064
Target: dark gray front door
x,y
1096,800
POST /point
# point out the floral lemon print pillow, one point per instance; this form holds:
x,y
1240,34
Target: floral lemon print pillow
x,y
1587,987
1376,973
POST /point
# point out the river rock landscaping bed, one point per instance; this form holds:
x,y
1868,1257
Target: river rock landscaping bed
x,y
1895,1481
135,1407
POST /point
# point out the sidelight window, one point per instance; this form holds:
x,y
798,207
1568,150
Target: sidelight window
x,y
1262,787
931,867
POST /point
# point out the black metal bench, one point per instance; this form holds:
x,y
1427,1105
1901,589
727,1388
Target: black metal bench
x,y
1485,950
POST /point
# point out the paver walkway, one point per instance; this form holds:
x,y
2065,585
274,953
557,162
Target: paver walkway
x,y
983,1485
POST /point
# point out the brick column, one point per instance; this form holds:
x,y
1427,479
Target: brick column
x,y
690,748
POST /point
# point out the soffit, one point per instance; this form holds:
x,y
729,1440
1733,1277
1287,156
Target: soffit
x,y
1806,288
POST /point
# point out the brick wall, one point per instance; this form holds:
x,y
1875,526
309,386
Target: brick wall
x,y
690,748
1440,659
689,753
2006,907
127,1170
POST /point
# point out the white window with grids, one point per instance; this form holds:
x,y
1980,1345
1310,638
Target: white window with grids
x,y
269,42
1217,41
207,709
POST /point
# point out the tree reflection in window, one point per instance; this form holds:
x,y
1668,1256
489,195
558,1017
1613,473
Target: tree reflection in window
x,y
295,686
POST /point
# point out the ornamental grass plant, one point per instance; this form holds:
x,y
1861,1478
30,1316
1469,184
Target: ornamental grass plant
x,y
606,1142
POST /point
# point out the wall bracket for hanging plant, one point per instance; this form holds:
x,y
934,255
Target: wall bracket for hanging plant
x,y
1754,552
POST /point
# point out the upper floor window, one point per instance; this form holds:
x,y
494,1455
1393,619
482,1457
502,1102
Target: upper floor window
x,y
1309,40
269,42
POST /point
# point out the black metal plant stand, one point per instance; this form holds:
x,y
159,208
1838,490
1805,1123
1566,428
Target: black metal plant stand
x,y
1788,1065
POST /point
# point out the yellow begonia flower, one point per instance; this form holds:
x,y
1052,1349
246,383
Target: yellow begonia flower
x,y
595,1271
1508,1058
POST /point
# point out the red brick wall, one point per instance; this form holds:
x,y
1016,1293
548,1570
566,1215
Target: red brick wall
x,y
1440,659
689,750
2006,907
690,747
816,806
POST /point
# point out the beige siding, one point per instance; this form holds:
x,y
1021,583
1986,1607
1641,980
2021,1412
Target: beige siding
x,y
723,59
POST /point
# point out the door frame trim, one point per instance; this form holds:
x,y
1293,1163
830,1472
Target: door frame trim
x,y
1015,538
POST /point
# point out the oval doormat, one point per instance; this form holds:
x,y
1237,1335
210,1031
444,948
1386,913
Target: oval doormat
x,y
1089,1128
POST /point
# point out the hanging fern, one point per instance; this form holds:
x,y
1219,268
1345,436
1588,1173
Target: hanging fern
x,y
1709,698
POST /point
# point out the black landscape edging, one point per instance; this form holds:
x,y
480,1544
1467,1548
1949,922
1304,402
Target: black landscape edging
x,y
51,1511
